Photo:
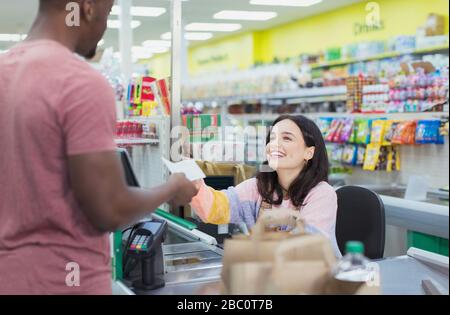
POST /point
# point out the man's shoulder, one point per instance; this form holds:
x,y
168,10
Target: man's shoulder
x,y
56,59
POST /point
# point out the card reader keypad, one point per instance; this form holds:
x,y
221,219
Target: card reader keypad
x,y
140,243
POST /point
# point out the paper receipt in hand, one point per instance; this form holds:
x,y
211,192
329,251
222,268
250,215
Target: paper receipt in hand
x,y
188,167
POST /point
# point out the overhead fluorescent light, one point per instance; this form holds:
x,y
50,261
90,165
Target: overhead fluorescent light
x,y
12,37
245,15
166,36
141,11
287,3
213,27
157,43
137,56
189,36
116,24
152,49
198,36
142,52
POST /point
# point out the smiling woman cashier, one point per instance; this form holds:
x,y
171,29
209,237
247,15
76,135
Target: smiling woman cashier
x,y
296,152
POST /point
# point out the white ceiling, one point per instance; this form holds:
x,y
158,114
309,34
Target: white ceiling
x,y
17,16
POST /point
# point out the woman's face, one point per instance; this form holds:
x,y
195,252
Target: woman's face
x,y
287,148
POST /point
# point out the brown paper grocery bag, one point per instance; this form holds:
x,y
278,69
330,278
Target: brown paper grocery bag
x,y
337,287
259,247
270,263
302,265
250,278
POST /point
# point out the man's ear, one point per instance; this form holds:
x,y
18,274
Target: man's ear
x,y
88,9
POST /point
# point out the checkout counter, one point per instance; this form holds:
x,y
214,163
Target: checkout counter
x,y
429,216
189,262
193,263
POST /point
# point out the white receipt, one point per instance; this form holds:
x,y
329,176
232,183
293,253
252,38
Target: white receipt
x,y
188,167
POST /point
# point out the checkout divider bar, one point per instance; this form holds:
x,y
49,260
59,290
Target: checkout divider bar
x,y
184,226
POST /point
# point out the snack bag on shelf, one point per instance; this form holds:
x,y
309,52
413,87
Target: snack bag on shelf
x,y
334,127
336,153
349,154
164,92
371,157
382,164
324,124
146,91
346,131
443,130
405,133
338,132
130,93
361,151
378,129
363,133
137,91
427,131
393,159
389,130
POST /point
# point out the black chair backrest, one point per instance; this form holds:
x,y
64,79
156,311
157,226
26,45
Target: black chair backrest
x,y
219,182
360,217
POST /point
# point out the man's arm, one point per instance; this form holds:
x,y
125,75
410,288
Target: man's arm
x,y
98,181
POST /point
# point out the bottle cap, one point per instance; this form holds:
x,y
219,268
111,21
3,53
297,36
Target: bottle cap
x,y
354,247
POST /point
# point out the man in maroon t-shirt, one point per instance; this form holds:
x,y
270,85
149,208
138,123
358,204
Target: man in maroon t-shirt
x,y
62,187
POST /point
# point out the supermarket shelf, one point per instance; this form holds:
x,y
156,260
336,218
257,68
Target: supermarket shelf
x,y
443,48
399,116
321,94
135,141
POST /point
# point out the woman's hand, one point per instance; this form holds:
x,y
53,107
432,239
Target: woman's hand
x,y
198,183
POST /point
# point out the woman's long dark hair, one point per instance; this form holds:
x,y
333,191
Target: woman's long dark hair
x,y
314,172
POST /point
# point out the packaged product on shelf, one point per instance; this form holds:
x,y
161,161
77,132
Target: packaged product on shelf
x,y
402,43
202,128
333,130
375,98
371,157
164,93
390,128
378,130
324,124
146,90
427,131
349,154
129,129
363,131
354,132
443,130
355,85
361,151
148,96
335,152
137,91
393,159
382,163
405,133
346,130
149,109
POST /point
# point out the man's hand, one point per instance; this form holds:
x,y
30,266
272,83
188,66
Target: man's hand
x,y
185,189
99,184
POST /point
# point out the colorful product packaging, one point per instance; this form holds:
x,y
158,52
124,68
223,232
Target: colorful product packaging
x,y
371,157
378,130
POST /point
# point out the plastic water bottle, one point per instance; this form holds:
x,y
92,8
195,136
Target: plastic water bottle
x,y
354,266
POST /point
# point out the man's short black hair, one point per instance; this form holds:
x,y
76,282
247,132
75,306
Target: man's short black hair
x,y
53,4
